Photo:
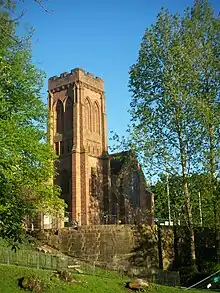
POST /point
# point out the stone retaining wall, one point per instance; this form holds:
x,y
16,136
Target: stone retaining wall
x,y
126,247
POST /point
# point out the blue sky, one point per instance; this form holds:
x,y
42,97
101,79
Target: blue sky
x,y
101,36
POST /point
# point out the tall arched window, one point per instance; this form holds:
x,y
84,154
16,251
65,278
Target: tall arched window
x,y
88,114
59,117
65,181
96,118
69,114
134,189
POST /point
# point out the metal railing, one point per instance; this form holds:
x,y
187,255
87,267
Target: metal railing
x,y
111,219
33,259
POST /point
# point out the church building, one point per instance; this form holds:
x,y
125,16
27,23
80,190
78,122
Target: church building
x,y
96,186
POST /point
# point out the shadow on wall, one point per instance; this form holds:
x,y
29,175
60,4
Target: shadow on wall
x,y
141,250
146,253
96,192
154,249
168,248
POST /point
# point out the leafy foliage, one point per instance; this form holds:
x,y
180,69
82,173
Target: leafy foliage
x,y
26,160
31,284
199,186
175,102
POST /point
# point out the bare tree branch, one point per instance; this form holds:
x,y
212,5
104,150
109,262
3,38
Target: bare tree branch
x,y
8,6
40,2
19,17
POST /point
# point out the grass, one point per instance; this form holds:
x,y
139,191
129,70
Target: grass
x,y
9,276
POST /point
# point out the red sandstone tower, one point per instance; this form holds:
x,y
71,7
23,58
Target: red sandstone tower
x,y
78,134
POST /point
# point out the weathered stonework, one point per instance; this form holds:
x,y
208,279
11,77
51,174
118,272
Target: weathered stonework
x,y
125,247
78,134
138,249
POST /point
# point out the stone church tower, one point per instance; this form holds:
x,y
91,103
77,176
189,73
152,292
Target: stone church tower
x,y
78,134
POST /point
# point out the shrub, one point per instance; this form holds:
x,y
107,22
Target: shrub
x,y
31,284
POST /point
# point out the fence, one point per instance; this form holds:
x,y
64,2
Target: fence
x,y
33,259
169,278
41,260
112,219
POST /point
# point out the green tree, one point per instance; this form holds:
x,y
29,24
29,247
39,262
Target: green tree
x,y
165,81
168,198
201,201
206,28
26,159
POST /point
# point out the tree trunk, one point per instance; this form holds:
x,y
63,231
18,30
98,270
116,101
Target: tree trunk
x,y
189,219
214,192
160,250
187,198
175,243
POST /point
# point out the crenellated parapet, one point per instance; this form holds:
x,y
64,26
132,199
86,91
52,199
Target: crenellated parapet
x,y
76,76
76,101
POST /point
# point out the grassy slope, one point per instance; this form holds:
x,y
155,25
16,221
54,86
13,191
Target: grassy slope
x,y
10,274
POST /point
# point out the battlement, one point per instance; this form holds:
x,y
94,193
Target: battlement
x,y
75,75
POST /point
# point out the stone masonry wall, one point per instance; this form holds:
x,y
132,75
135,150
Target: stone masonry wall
x,y
122,246
98,243
109,245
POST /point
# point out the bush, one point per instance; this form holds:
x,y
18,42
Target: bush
x,y
210,267
189,275
31,284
